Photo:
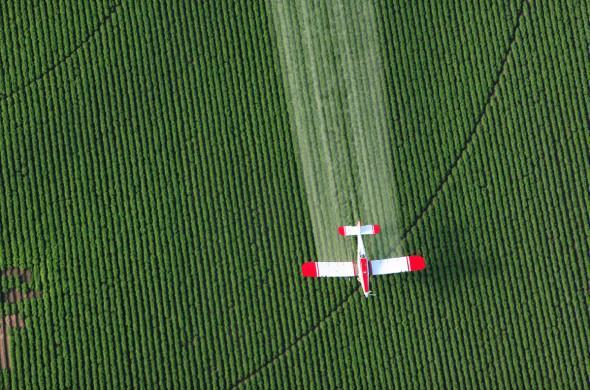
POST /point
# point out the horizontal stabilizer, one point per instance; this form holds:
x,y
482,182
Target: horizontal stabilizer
x,y
354,230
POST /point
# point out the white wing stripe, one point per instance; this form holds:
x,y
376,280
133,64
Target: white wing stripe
x,y
390,266
335,268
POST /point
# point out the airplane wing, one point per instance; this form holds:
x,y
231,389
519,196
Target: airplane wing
x,y
397,264
315,269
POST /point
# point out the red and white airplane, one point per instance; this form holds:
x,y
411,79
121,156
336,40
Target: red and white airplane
x,y
362,268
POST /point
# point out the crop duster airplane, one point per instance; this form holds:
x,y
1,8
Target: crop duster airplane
x,y
362,268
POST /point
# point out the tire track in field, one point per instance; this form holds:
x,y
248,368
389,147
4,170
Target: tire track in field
x,y
470,136
302,336
11,93
340,305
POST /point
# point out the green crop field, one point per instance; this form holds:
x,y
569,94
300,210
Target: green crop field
x,y
165,168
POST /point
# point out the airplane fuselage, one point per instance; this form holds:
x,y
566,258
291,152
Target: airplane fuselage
x,y
362,265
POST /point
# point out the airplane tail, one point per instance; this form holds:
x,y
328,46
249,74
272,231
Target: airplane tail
x,y
356,230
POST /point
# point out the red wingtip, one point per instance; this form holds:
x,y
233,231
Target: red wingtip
x,y
417,263
309,269
376,229
341,230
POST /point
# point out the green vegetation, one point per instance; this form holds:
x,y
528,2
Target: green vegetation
x,y
155,176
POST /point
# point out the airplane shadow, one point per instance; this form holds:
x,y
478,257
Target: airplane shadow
x,y
456,258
